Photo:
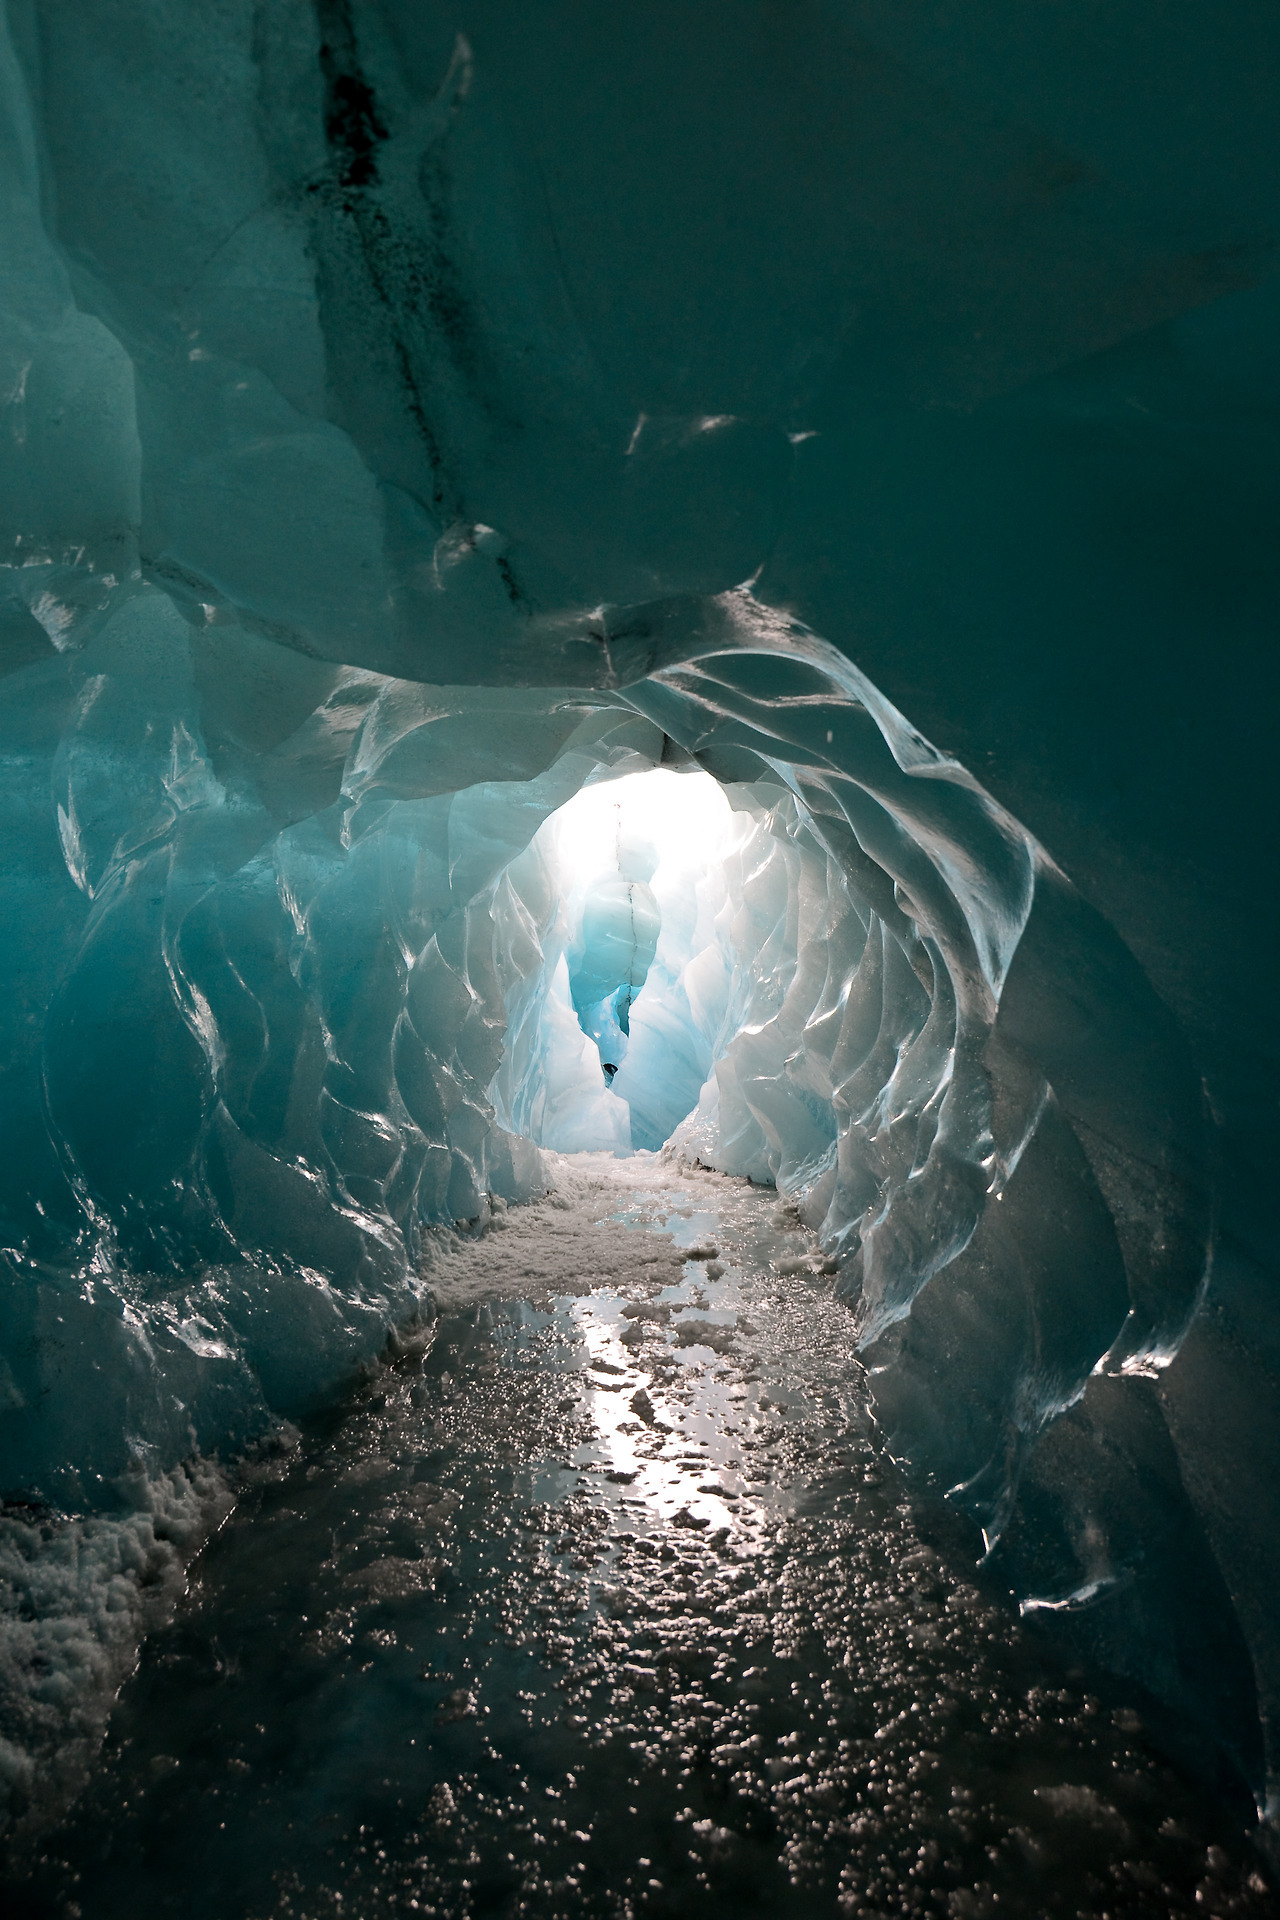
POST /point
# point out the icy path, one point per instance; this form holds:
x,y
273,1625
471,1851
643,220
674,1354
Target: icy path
x,y
602,1603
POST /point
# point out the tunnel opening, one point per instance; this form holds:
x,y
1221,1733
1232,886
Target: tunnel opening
x,y
633,990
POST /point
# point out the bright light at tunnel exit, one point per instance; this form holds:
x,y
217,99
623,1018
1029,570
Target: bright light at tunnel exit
x,y
617,1035
685,816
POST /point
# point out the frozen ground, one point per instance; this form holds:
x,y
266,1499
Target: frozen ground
x,y
599,1598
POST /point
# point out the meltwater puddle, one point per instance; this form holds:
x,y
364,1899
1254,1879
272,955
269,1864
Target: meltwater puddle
x,y
602,1601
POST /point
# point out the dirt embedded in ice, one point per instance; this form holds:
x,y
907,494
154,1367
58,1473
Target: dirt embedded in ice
x,y
600,1598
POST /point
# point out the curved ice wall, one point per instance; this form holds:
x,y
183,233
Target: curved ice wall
x,y
353,522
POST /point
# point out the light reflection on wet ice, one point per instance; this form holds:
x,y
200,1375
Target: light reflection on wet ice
x,y
675,1398
608,1605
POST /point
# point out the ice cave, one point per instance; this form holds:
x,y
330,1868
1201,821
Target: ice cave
x,y
638,685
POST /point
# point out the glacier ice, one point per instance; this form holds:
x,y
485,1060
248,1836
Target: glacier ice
x,y
612,954
355,524
637,867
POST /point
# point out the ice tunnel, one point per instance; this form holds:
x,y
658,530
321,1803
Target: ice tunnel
x,y
434,568
274,1051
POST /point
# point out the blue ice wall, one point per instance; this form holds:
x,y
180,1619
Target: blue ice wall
x,y
614,943
395,402
611,957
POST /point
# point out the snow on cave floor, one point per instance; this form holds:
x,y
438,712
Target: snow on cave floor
x,y
607,1604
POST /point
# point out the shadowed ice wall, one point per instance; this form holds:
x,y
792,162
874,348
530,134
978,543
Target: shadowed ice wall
x,y
358,353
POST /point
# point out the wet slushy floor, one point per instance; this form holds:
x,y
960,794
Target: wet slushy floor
x,y
602,1599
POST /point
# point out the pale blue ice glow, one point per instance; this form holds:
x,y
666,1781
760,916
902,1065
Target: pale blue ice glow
x,y
396,491
638,865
